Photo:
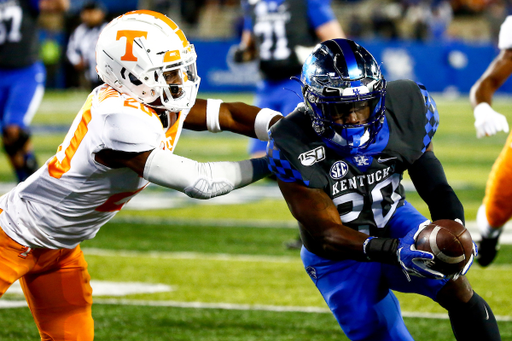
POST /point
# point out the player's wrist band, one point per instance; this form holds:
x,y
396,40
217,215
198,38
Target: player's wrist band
x,y
212,115
262,122
382,250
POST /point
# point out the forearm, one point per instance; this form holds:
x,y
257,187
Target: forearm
x,y
330,30
430,181
202,180
240,118
341,243
492,79
322,230
381,250
482,92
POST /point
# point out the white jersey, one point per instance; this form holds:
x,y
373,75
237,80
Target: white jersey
x,y
505,38
68,199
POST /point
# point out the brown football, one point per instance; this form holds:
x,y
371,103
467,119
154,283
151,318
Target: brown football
x,y
450,242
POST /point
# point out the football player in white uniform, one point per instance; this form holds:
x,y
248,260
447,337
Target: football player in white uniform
x,y
122,139
496,209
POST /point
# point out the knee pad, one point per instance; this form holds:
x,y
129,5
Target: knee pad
x,y
14,146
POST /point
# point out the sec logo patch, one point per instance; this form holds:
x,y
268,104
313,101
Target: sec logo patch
x,y
338,170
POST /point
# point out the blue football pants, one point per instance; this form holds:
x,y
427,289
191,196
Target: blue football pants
x,y
359,294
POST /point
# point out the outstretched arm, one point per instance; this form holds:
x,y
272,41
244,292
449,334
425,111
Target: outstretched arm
x,y
200,180
237,117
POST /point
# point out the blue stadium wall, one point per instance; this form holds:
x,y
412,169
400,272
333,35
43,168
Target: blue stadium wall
x,y
449,67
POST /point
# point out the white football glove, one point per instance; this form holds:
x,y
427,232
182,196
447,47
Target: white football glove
x,y
487,121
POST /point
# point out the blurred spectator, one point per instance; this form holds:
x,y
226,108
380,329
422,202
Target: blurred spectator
x,y
439,20
384,18
190,10
495,15
428,19
22,77
465,7
82,43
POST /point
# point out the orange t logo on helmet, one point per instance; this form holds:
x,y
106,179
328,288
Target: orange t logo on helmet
x,y
130,36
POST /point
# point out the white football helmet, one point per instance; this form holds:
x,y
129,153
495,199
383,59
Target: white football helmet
x,y
137,51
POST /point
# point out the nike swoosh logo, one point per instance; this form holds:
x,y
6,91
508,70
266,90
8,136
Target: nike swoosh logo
x,y
380,160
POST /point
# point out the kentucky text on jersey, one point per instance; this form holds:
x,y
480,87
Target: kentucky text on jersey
x,y
360,181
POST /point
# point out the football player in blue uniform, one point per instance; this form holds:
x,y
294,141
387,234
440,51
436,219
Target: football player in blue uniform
x,y
22,77
339,160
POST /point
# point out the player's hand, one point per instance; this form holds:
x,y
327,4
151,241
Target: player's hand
x,y
415,262
238,55
464,271
487,121
243,55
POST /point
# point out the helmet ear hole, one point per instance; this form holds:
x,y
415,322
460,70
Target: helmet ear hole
x,y
135,81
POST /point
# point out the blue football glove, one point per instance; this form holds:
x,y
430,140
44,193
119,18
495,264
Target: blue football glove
x,y
464,271
415,262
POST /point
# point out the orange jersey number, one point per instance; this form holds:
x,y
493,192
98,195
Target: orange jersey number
x,y
55,167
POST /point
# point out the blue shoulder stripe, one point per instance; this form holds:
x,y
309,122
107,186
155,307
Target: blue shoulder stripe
x,y
432,117
281,167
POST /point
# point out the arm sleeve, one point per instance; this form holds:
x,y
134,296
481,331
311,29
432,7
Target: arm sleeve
x,y
429,178
202,180
320,12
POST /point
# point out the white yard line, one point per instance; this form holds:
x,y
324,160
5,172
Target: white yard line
x,y
230,306
506,237
208,256
191,255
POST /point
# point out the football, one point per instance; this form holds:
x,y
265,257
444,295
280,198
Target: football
x,y
451,244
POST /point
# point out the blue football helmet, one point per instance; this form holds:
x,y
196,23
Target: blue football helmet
x,y
338,77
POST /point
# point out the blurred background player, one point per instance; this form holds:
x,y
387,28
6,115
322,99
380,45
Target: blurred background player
x,y
22,77
281,34
496,208
82,43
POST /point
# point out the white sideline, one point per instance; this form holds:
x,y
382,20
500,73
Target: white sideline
x,y
230,306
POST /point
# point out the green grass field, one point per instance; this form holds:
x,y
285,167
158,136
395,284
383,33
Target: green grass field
x,y
231,276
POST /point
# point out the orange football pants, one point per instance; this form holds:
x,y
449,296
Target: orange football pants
x,y
56,285
498,192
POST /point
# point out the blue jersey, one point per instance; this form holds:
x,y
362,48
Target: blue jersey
x,y
365,187
279,26
19,39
